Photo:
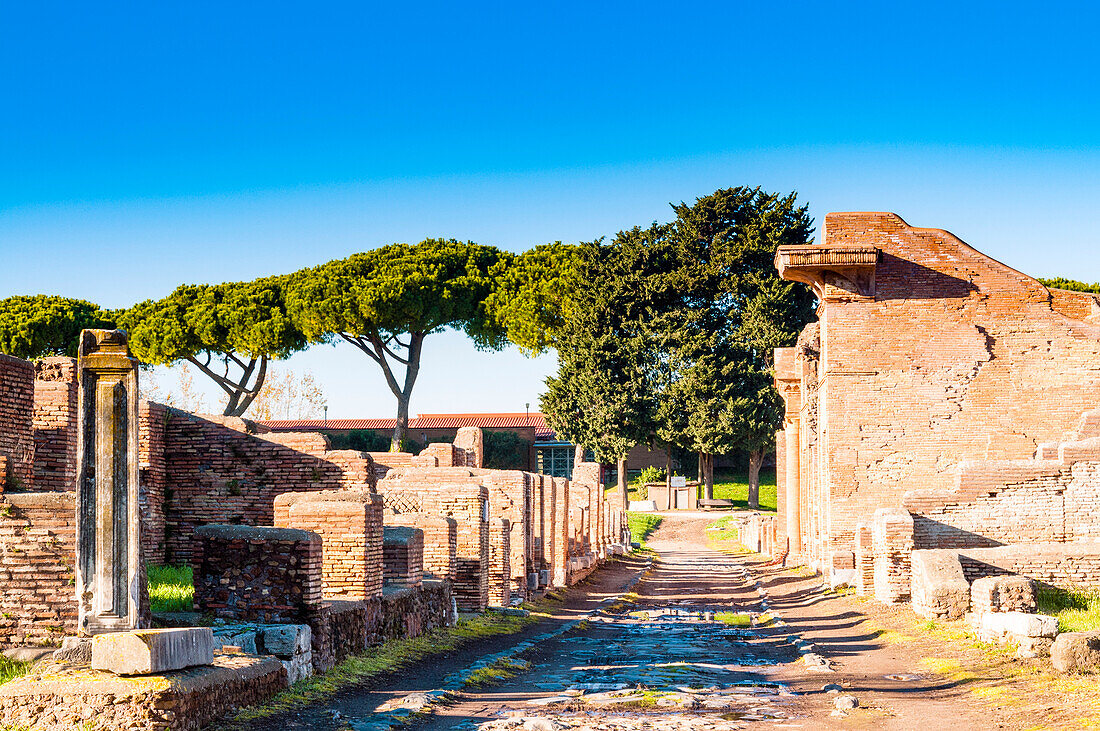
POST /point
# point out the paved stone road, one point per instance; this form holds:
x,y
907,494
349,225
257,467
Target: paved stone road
x,y
690,650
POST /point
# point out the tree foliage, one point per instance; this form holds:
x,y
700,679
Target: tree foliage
x,y
37,326
388,300
532,295
1072,284
670,330
228,331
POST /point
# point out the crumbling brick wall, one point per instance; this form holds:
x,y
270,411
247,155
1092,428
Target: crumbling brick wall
x,y
16,424
402,556
440,541
37,574
244,573
153,479
510,497
926,354
217,471
467,504
55,424
350,525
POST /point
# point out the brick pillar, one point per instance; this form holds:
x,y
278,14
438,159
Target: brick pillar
x,y
500,571
892,536
350,525
562,532
793,496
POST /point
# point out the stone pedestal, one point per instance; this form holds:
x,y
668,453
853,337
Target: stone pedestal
x,y
110,574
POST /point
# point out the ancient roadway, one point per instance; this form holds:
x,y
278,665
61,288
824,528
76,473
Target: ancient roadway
x,y
700,642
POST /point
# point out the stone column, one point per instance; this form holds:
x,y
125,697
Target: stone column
x,y
110,574
793,498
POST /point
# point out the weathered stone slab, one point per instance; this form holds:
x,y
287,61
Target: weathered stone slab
x,y
286,640
996,626
144,652
1073,652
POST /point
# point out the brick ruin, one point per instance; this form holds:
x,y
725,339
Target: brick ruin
x,y
942,401
484,536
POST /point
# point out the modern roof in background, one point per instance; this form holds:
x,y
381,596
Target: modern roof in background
x,y
423,421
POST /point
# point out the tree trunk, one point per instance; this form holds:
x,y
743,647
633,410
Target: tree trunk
x,y
401,428
668,467
699,468
622,482
756,459
708,485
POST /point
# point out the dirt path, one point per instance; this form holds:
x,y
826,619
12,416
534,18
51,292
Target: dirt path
x,y
707,640
355,707
696,649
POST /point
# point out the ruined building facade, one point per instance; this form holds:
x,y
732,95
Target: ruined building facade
x,y
941,400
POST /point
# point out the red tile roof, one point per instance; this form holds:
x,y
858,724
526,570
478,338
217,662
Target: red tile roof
x,y
423,421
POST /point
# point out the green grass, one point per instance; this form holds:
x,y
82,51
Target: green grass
x,y
734,619
1077,611
731,485
502,669
642,525
735,486
380,660
11,669
171,588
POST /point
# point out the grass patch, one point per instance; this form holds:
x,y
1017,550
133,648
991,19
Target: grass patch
x,y
642,525
502,669
735,486
733,619
385,658
1077,611
171,588
11,669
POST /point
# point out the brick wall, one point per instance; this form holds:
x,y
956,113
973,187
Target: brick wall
x,y
153,479
55,424
402,556
500,572
37,575
510,497
350,525
467,504
251,574
216,471
926,354
892,540
1073,565
16,423
440,541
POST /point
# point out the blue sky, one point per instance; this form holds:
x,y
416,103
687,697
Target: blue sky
x,y
143,146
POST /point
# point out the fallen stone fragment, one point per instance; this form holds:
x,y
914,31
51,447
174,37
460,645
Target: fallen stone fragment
x,y
831,688
1073,652
845,702
74,651
143,652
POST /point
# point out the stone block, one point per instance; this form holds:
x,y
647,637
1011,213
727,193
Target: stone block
x,y
939,587
143,652
235,636
842,577
286,640
1003,594
1073,652
1002,626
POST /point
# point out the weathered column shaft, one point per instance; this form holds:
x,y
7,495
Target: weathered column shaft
x,y
793,500
109,568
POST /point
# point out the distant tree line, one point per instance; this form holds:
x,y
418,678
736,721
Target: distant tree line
x,y
386,302
664,334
